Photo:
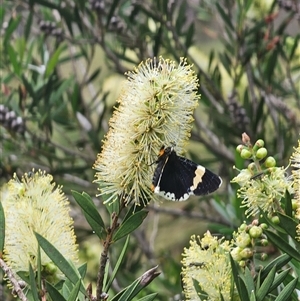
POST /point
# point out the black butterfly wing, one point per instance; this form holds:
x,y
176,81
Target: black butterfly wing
x,y
181,178
176,178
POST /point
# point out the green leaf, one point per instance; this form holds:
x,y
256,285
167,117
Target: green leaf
x,y
264,288
288,204
288,224
295,46
75,291
252,296
189,36
241,287
282,245
148,298
12,26
248,280
224,16
279,279
2,228
280,261
118,264
90,212
130,224
58,259
287,291
227,64
82,270
51,64
203,294
125,294
13,59
54,293
27,29
33,285
93,76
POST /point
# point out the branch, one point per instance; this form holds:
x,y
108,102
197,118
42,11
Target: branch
x,y
10,275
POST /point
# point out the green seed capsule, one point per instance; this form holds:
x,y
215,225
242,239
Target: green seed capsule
x,y
245,154
259,143
261,153
239,148
270,162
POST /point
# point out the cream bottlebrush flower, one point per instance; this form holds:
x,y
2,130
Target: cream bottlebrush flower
x,y
31,205
263,192
155,108
206,265
295,163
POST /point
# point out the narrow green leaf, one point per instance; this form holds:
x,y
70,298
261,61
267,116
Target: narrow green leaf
x,y
287,291
27,30
113,207
39,267
280,261
2,228
252,296
33,285
295,46
148,298
13,57
288,204
118,264
75,291
58,259
248,280
224,16
236,271
12,26
90,212
200,292
282,245
132,210
288,224
130,224
93,76
51,64
279,279
126,292
264,288
29,87
189,36
225,59
82,270
2,14
54,293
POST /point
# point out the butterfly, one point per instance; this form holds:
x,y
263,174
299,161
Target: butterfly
x,y
177,178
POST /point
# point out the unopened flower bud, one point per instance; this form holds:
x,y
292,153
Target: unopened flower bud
x,y
236,254
243,240
255,231
246,253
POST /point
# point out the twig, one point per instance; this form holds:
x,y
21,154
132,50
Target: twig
x,y
104,254
10,275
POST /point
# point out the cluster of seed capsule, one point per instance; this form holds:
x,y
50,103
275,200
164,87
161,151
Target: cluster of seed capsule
x,y
258,153
247,239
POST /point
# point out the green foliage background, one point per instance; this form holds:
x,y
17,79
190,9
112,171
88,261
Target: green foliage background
x,y
62,66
